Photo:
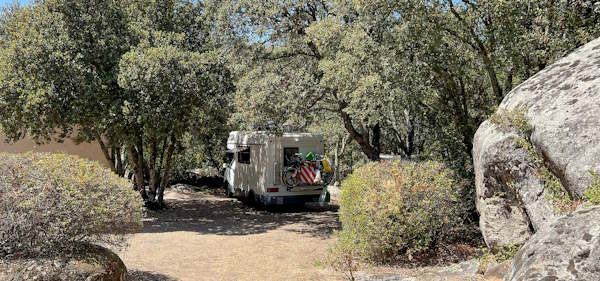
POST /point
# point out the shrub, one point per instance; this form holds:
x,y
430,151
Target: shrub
x,y
592,193
497,255
343,255
395,210
51,202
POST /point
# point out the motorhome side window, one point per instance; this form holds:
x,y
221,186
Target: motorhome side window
x,y
288,155
228,157
244,156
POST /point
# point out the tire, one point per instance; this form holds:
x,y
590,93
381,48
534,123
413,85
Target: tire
x,y
260,206
251,199
243,197
290,178
228,192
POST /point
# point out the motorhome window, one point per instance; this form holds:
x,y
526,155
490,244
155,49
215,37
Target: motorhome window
x,y
244,156
228,157
288,154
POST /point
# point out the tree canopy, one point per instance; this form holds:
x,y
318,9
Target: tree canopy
x,y
145,79
134,76
412,78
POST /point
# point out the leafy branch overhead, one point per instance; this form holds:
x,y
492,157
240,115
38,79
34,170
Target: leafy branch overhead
x,y
135,76
145,78
412,78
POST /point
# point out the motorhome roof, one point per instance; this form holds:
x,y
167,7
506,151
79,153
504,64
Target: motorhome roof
x,y
267,133
263,136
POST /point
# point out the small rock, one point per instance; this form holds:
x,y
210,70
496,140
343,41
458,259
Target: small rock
x,y
496,272
91,263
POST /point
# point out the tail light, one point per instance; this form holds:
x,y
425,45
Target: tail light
x,y
273,189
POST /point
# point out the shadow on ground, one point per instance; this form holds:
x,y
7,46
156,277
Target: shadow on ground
x,y
137,275
211,213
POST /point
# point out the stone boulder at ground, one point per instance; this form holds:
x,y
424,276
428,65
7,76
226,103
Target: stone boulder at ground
x,y
91,263
569,249
561,104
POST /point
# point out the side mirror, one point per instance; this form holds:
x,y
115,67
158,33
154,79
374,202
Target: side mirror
x,y
225,165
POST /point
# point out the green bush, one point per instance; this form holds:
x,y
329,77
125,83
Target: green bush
x,y
497,255
396,210
49,203
592,193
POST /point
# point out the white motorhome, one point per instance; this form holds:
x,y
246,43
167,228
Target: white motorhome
x,y
256,166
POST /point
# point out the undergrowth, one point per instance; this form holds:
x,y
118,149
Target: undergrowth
x,y
592,193
497,255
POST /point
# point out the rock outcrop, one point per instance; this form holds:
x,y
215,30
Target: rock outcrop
x,y
92,263
569,249
562,106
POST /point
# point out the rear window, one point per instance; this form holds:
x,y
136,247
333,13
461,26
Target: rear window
x,y
288,154
244,156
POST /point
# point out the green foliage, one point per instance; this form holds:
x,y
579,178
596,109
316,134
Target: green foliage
x,y
127,74
512,120
169,83
343,256
592,193
411,78
396,210
51,202
52,78
498,255
202,155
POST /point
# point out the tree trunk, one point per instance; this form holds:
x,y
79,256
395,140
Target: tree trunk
x,y
375,143
166,170
410,147
120,168
137,171
153,171
508,80
368,140
107,154
491,72
336,171
141,173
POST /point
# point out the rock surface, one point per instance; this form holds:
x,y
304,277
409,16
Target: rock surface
x,y
497,272
92,263
562,104
569,249
463,271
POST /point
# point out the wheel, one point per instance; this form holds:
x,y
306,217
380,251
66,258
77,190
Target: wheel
x,y
251,199
290,178
228,192
244,196
260,206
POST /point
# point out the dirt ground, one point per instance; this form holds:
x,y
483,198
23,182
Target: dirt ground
x,y
205,236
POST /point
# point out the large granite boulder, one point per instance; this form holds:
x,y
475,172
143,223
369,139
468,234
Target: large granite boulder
x,y
562,105
90,263
569,249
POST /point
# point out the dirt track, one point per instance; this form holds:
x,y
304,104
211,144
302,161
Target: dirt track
x,y
204,236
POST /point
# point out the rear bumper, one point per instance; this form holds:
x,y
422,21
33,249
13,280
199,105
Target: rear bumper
x,y
269,200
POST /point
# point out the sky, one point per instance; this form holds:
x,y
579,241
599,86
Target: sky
x,y
3,3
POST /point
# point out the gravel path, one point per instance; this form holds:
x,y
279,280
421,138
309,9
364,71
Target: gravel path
x,y
204,236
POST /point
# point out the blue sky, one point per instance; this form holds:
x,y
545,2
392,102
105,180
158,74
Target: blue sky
x,y
3,3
